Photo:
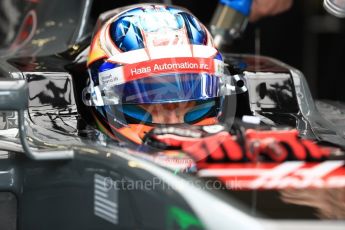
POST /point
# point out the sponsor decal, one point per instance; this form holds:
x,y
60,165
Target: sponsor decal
x,y
173,160
144,69
291,174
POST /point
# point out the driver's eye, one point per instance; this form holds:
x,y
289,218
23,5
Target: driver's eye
x,y
199,112
136,112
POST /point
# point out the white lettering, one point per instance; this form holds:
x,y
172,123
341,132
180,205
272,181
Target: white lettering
x,y
175,66
303,178
140,70
111,77
203,66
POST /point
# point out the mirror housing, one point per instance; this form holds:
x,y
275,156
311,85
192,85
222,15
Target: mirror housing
x,y
14,95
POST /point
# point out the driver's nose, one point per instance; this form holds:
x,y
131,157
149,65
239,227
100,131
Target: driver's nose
x,y
173,118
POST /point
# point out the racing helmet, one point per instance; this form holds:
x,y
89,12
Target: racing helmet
x,y
148,62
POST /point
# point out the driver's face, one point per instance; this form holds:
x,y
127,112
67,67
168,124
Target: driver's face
x,y
172,113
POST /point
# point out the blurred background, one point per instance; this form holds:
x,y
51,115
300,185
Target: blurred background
x,y
305,37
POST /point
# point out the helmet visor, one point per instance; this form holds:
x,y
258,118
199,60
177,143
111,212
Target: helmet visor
x,y
132,85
